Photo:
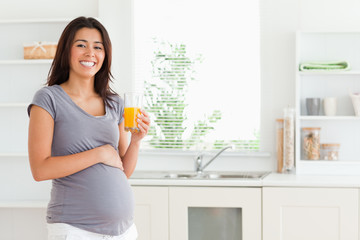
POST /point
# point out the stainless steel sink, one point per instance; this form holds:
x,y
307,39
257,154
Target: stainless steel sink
x,y
182,175
203,176
243,175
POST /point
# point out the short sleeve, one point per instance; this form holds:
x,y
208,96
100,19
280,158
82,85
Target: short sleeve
x,y
44,99
121,110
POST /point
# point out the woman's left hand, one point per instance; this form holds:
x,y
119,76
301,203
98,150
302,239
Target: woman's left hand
x,y
143,120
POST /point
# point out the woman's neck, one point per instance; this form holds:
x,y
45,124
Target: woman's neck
x,y
80,88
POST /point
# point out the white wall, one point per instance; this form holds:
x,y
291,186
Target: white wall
x,y
280,20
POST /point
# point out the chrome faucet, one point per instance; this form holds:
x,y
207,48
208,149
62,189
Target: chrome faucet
x,y
199,168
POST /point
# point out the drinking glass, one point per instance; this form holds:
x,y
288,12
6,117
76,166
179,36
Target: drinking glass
x,y
313,106
133,104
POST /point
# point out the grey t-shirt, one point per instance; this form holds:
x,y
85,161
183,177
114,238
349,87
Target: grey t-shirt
x,y
99,198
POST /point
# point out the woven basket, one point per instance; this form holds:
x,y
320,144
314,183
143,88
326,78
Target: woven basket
x,y
40,50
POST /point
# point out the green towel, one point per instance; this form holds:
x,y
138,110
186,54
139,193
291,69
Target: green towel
x,y
324,66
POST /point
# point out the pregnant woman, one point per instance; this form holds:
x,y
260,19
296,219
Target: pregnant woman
x,y
77,139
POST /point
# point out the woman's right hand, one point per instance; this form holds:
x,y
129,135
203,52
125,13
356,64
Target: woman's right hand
x,y
111,157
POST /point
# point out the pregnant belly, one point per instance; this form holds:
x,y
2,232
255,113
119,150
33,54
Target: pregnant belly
x,y
98,193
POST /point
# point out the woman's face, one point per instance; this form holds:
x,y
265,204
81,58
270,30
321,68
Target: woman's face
x,y
87,53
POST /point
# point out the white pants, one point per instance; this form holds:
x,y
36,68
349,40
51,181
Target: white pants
x,y
63,231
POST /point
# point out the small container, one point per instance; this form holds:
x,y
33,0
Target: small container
x,y
330,151
289,139
310,143
330,106
280,144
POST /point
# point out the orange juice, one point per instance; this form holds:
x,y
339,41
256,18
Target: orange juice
x,y
130,119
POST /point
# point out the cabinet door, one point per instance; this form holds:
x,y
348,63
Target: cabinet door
x,y
310,213
151,212
219,208
23,223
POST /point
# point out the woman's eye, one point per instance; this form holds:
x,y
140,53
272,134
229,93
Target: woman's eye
x,y
81,45
98,48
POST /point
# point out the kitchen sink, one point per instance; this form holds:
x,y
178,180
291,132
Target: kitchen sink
x,y
203,176
245,175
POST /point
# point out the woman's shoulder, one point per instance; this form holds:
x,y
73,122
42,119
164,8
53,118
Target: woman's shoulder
x,y
114,96
115,100
49,94
49,89
116,104
45,97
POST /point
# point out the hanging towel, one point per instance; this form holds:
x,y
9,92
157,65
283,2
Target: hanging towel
x,y
324,66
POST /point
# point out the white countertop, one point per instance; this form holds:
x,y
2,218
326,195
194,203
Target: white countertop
x,y
292,180
271,180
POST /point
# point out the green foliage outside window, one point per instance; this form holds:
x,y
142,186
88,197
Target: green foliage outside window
x,y
166,100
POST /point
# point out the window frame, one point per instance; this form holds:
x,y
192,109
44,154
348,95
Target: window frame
x,y
124,73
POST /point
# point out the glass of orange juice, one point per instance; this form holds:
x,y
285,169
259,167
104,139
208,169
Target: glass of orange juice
x,y
133,103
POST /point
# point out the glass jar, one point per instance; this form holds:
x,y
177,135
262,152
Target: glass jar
x,y
289,139
330,151
310,143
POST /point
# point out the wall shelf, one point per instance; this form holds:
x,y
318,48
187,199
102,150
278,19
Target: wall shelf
x,y
329,118
342,129
319,73
2,155
21,78
36,20
23,204
13,105
25,61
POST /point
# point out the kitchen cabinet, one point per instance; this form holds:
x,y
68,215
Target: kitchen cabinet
x,y
151,212
218,208
198,212
310,213
344,126
22,221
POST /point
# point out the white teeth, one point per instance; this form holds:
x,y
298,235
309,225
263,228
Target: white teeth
x,y
88,64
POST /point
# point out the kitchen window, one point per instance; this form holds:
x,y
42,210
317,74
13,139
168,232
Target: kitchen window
x,y
198,64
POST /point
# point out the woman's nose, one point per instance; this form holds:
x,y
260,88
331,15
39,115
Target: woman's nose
x,y
90,52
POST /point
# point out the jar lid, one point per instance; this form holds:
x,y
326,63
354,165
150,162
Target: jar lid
x,y
330,145
280,120
311,128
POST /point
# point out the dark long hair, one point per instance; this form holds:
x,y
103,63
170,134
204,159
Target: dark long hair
x,y
60,67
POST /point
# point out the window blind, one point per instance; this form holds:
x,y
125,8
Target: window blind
x,y
197,63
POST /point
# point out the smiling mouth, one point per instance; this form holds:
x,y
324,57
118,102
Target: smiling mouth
x,y
87,64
